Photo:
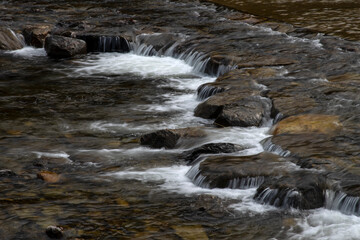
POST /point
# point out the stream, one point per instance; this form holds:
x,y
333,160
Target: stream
x,y
83,117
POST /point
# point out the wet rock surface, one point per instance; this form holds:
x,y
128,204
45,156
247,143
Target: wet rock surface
x,y
64,47
302,190
239,171
168,138
35,35
211,148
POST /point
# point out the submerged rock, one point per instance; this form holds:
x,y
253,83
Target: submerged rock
x,y
9,40
48,176
63,47
35,35
54,232
168,138
211,148
302,189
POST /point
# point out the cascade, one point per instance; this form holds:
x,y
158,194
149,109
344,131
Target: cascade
x,y
342,202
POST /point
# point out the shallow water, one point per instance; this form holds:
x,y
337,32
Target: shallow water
x,y
339,18
82,118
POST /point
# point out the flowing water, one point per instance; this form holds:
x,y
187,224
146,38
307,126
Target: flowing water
x,y
334,17
82,118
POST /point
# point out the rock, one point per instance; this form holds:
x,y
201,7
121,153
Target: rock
x,y
213,106
54,232
9,40
35,35
168,138
308,123
302,189
248,112
48,176
63,47
211,148
7,173
239,171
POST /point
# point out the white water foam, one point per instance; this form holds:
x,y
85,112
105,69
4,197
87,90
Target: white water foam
x,y
29,52
323,224
119,63
53,155
173,179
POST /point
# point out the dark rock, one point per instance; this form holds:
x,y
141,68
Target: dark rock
x,y
9,40
63,47
54,232
35,35
211,148
159,139
7,173
302,189
168,138
97,43
239,171
247,112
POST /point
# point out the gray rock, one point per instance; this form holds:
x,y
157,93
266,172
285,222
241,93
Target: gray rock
x,y
63,47
245,113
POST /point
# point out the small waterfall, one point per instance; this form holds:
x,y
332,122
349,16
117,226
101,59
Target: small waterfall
x,y
205,91
283,198
19,37
271,147
200,61
342,202
245,183
198,179
113,44
143,49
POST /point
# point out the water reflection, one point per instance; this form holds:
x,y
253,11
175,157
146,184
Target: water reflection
x,y
334,17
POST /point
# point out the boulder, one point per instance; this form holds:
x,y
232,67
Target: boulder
x,y
248,112
301,189
308,123
9,40
211,148
63,47
168,138
239,171
35,35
